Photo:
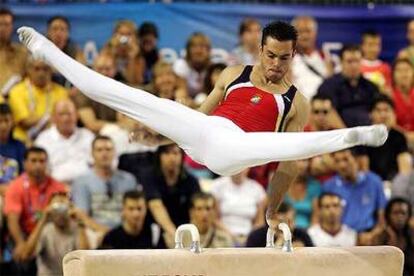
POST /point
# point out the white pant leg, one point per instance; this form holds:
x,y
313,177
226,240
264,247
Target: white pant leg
x,y
171,119
232,151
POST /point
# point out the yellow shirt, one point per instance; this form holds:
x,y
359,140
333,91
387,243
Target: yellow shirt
x,y
14,56
27,100
1,99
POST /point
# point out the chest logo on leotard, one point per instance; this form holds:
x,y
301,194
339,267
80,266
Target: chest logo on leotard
x,y
256,99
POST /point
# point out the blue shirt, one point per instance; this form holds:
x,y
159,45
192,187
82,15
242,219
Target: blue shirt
x,y
14,149
102,200
362,199
303,208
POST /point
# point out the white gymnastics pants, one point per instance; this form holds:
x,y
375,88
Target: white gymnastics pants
x,y
213,141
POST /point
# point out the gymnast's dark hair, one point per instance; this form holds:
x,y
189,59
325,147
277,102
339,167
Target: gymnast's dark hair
x,y
281,31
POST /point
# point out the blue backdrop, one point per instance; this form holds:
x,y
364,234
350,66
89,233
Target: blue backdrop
x,y
220,21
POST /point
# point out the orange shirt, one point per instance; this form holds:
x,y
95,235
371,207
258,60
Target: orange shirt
x,y
28,200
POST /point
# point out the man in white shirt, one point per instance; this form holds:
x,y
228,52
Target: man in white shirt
x,y
310,67
330,232
68,146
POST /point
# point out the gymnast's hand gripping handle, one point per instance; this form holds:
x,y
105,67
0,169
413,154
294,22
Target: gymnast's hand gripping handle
x,y
287,238
195,237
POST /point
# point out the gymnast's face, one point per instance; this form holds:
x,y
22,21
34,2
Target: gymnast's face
x,y
275,58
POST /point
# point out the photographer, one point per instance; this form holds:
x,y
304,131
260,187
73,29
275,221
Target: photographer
x,y
123,46
60,230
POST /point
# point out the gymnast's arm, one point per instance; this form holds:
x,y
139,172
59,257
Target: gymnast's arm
x,y
287,171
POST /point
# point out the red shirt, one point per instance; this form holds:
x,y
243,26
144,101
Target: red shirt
x,y
404,109
28,200
250,108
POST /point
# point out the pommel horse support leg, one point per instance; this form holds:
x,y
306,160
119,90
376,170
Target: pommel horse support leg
x,y
269,261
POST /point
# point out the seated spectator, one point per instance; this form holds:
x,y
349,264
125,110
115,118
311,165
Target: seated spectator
x,y
350,92
123,46
10,147
9,169
329,231
169,189
403,187
372,68
285,213
50,241
58,28
120,135
393,157
202,216
12,54
25,202
32,100
92,114
166,84
148,40
68,147
194,67
135,232
99,191
408,52
302,196
310,66
212,75
323,117
241,204
362,193
247,53
403,96
398,231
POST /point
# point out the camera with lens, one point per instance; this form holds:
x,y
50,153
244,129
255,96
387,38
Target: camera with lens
x,y
124,39
60,208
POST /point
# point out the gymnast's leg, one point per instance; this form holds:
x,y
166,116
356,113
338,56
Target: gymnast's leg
x,y
171,119
238,150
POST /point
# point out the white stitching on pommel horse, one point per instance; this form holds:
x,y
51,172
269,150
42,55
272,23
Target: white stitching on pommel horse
x,y
270,261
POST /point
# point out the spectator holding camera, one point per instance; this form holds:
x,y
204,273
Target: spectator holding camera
x,y
124,47
25,202
61,229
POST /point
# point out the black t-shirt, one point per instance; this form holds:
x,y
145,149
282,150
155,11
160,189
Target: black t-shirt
x,y
257,238
383,160
176,198
117,238
352,103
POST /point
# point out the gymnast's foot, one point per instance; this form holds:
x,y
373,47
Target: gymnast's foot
x,y
373,136
34,41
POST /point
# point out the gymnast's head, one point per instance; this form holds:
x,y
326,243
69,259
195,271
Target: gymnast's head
x,y
277,49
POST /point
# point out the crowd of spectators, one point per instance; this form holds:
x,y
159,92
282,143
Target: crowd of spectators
x,y
71,179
